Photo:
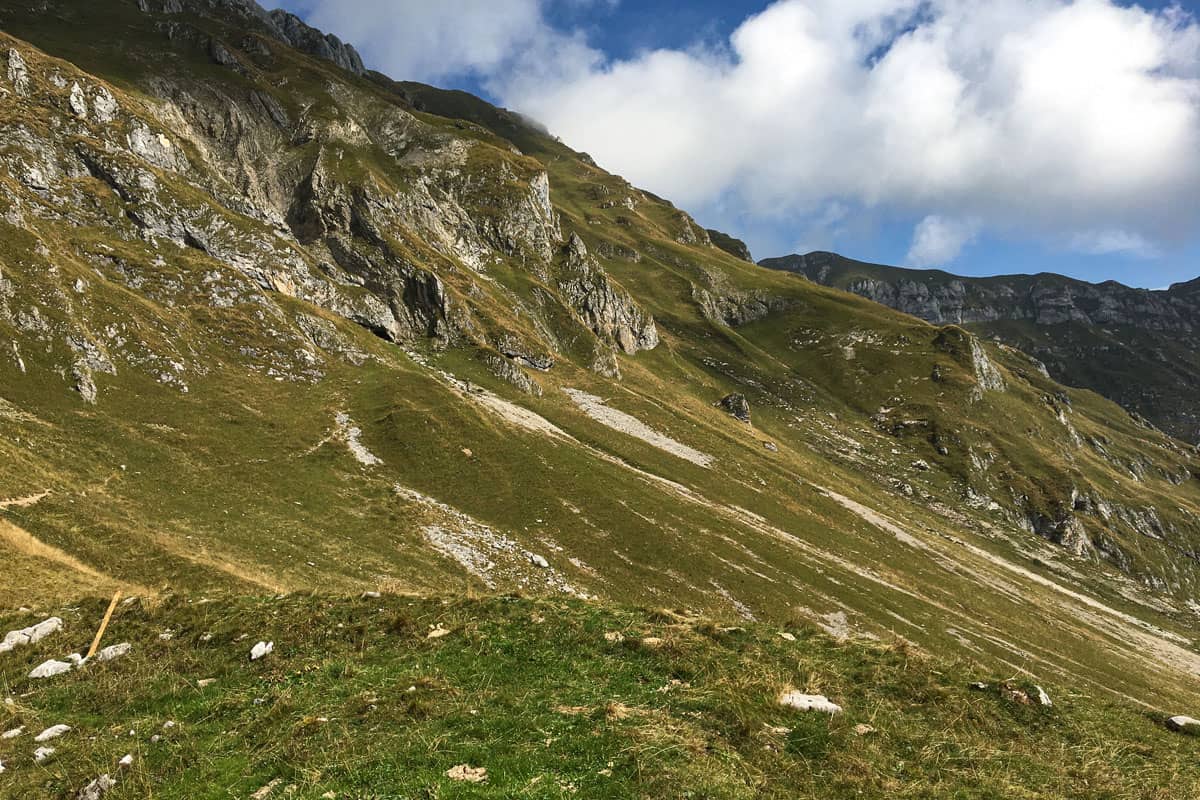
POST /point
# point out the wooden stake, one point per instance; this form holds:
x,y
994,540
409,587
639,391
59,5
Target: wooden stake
x,y
104,625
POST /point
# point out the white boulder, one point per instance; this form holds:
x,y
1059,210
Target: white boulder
x,y
261,649
52,733
1184,724
42,753
808,702
113,652
30,635
78,102
51,668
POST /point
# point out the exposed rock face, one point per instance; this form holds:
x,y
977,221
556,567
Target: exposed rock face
x,y
737,406
606,308
78,102
1044,299
18,72
734,308
305,38
279,24
1089,335
735,247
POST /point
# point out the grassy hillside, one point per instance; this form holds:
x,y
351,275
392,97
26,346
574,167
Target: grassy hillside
x,y
275,328
553,700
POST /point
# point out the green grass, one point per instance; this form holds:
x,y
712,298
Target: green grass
x,y
356,700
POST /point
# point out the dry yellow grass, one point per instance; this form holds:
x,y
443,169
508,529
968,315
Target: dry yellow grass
x,y
34,568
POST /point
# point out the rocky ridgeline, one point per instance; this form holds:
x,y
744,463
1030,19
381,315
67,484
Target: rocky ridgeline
x,y
1044,299
264,190
282,25
1134,346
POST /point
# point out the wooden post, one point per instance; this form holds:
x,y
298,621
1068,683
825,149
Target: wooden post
x,y
103,626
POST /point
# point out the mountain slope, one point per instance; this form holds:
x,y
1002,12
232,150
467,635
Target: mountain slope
x,y
277,326
1134,346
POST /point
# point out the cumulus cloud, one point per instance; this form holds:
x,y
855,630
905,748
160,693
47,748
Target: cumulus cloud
x,y
1064,121
1043,118
938,240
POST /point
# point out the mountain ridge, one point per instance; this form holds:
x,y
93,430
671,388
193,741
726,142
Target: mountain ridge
x,y
1129,344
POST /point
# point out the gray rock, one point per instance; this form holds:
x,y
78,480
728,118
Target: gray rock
x,y
155,148
97,788
77,102
737,406
18,72
221,54
48,669
294,31
105,106
112,652
30,635
52,732
607,309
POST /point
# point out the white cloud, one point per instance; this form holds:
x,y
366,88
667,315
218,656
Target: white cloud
x,y
938,240
1108,242
430,41
1037,118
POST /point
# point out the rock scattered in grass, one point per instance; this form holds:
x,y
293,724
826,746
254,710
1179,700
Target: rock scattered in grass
x,y
616,637
261,649
127,761
539,561
437,632
97,788
204,683
1016,694
266,791
14,733
1043,698
736,406
48,669
52,732
31,635
43,753
787,637
808,702
371,595
652,642
1184,724
113,652
862,729
465,772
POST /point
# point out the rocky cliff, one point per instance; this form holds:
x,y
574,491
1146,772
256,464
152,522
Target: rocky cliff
x,y
1133,345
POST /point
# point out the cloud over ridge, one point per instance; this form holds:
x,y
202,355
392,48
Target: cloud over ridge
x,y
1073,122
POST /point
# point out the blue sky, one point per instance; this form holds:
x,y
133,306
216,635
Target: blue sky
x,y
888,130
